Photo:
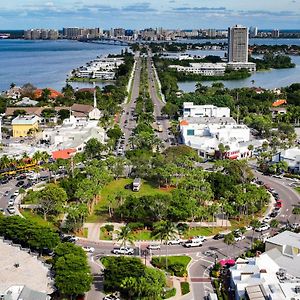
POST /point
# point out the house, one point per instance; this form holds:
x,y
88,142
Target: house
x,y
53,93
25,125
26,102
63,154
14,92
191,110
85,111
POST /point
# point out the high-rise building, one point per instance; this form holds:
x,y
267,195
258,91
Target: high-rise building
x,y
275,33
253,31
238,44
71,32
211,33
119,32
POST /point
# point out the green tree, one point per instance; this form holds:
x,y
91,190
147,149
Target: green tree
x,y
229,240
93,148
52,200
125,236
72,273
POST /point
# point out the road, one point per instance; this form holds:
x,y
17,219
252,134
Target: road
x,y
166,138
127,121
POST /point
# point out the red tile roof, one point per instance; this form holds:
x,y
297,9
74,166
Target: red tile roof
x,y
54,94
64,154
279,102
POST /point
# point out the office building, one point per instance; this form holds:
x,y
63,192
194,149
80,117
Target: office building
x,y
238,44
275,33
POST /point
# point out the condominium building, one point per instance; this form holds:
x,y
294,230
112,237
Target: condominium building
x,y
238,44
205,69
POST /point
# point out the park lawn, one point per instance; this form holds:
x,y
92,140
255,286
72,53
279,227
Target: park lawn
x,y
114,188
205,231
183,260
38,219
143,235
105,235
297,189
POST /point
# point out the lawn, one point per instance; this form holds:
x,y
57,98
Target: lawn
x,y
114,188
38,219
177,265
205,231
297,189
143,235
83,233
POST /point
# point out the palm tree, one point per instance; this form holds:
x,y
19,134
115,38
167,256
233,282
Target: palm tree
x,y
229,240
165,230
125,235
255,224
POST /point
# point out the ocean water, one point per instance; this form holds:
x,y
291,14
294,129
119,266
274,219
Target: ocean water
x,y
46,63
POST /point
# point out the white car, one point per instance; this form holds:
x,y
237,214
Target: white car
x,y
111,297
239,238
16,193
295,225
11,203
88,249
174,242
123,250
248,228
192,243
267,219
200,238
263,227
154,247
209,253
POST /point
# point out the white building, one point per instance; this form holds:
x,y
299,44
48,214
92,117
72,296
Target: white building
x,y
251,67
271,275
291,157
205,127
191,110
206,69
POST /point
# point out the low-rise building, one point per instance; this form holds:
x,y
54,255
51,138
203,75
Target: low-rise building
x,y
274,274
205,127
205,69
251,67
291,157
25,125
26,102
210,111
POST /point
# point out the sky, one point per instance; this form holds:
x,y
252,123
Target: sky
x,y
135,14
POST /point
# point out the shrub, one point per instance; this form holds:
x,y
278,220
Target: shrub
x,y
177,269
169,293
296,211
185,288
109,227
136,226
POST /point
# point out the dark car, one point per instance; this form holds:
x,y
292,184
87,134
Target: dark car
x,y
273,214
4,180
21,177
20,183
219,236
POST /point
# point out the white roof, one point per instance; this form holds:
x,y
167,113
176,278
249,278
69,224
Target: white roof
x,y
25,120
286,238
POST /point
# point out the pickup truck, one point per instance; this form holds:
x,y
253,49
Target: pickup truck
x,y
123,250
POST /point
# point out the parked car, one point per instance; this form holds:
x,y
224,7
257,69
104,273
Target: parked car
x,y
192,243
174,242
267,219
11,202
219,236
20,183
123,250
239,237
69,238
278,204
153,247
4,180
11,210
209,253
274,214
248,228
263,227
111,297
88,249
6,193
199,237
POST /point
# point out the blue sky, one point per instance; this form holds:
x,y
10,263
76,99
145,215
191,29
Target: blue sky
x,y
267,14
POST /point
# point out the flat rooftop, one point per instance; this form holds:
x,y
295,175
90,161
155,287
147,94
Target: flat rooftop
x,y
30,271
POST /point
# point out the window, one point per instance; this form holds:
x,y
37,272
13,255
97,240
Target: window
x,y
190,132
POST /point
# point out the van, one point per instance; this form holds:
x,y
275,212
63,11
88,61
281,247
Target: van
x,y
136,185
